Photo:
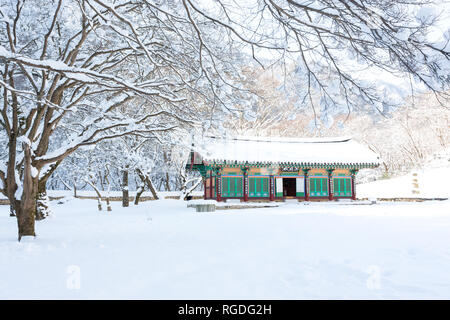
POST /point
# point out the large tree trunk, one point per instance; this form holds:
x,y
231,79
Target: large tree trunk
x,y
26,212
12,211
42,201
125,191
25,208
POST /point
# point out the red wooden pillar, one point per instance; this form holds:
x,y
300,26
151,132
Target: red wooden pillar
x,y
353,188
353,173
211,193
306,172
218,186
330,179
271,188
206,180
245,185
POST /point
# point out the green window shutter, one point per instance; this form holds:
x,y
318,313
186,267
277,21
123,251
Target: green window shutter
x,y
342,187
224,187
232,187
239,192
318,187
251,184
324,187
265,186
258,187
336,185
348,186
314,187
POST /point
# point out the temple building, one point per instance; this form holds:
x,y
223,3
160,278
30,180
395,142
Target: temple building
x,y
274,169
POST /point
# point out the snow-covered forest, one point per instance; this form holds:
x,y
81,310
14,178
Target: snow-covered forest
x,y
93,91
108,96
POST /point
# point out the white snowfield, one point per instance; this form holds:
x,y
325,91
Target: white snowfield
x,y
308,150
431,183
164,250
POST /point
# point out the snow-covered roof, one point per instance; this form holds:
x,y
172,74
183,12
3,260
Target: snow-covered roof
x,y
341,150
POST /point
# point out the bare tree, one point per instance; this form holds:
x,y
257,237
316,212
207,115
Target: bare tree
x,y
339,38
70,69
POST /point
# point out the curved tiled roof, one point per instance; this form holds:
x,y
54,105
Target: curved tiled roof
x,y
286,150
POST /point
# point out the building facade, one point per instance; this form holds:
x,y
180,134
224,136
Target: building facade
x,y
252,169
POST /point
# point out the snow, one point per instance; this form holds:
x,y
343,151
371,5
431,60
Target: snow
x,y
163,250
428,182
81,74
80,77
312,150
34,172
18,193
432,183
194,202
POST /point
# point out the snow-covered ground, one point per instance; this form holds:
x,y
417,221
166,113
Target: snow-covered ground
x,y
432,183
162,249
